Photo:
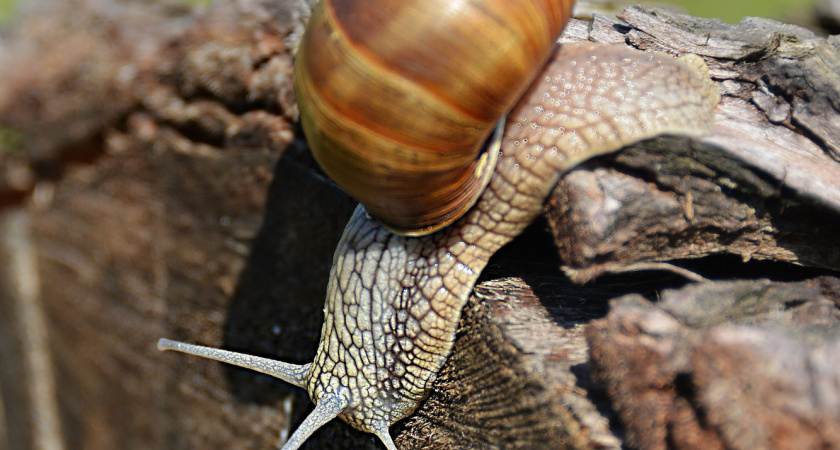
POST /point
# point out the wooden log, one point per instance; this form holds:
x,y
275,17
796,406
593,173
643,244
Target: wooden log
x,y
168,193
764,186
738,364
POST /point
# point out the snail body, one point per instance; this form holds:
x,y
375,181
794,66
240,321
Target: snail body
x,y
394,301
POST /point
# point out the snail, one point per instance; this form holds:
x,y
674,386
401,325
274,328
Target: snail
x,y
406,264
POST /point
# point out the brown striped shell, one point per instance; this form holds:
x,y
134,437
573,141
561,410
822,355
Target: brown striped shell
x,y
397,98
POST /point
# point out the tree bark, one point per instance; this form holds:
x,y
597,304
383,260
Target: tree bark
x,y
681,293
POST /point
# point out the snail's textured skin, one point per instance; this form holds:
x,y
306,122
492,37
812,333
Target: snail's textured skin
x,y
394,302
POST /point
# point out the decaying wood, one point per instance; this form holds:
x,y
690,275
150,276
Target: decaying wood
x,y
169,194
764,186
513,378
739,364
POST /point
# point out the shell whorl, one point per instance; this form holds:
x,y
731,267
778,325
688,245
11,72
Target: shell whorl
x,y
397,98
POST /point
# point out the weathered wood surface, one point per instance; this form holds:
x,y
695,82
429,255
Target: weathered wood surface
x,y
165,191
765,186
740,364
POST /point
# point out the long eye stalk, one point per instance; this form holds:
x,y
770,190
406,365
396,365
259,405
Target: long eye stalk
x,y
290,373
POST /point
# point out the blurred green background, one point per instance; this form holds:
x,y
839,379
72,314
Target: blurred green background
x,y
6,8
729,10
733,11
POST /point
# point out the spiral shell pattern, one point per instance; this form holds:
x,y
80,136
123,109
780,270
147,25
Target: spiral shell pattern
x,y
398,98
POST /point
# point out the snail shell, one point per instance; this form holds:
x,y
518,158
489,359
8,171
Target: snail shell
x,y
398,97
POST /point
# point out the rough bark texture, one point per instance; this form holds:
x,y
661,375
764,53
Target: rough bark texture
x,y
740,364
764,186
153,184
